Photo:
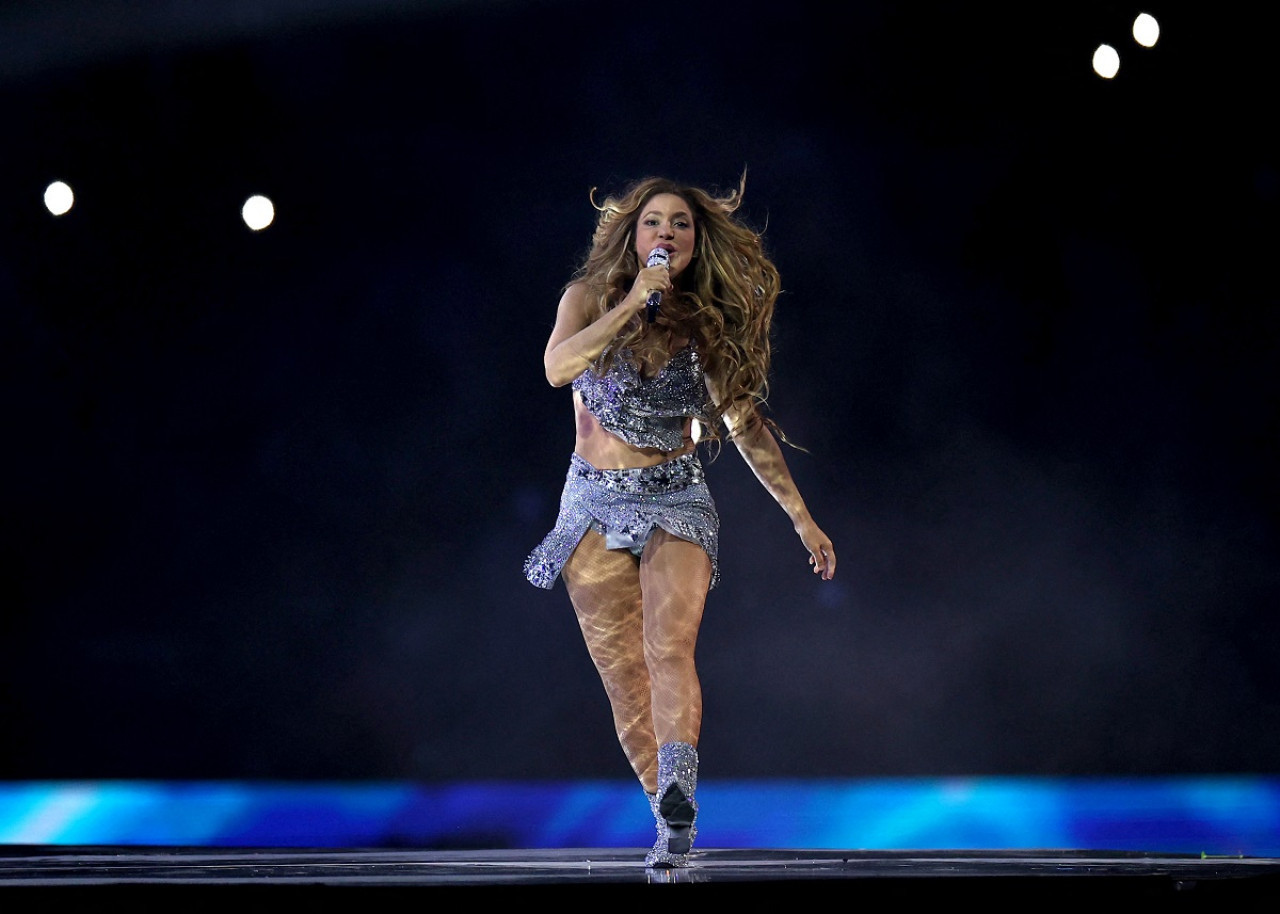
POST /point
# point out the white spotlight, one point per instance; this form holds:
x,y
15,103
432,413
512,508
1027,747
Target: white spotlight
x,y
258,212
58,198
1146,30
1106,62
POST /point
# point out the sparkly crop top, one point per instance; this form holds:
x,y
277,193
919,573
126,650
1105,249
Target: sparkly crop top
x,y
647,412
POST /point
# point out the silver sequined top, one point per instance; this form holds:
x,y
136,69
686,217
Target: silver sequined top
x,y
647,412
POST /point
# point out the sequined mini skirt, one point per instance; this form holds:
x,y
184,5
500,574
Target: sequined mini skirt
x,y
626,505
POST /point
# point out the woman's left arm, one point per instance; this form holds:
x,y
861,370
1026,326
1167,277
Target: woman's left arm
x,y
760,449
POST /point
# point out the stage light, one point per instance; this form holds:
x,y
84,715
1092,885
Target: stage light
x,y
1146,30
258,212
58,198
1106,62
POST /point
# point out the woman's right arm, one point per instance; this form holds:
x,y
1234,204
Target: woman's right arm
x,y
577,341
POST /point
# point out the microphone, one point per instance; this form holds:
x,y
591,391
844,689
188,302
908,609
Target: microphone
x,y
656,256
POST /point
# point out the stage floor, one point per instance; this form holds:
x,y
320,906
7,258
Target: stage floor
x,y
1047,874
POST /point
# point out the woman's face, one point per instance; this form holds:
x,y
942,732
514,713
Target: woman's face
x,y
666,221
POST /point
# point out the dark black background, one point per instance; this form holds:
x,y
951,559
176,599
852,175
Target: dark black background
x,y
267,495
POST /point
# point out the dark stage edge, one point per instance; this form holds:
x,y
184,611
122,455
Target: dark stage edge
x,y
58,872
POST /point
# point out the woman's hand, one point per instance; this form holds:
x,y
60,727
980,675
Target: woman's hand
x,y
822,555
649,279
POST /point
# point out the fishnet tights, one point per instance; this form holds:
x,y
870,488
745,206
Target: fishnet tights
x,y
640,619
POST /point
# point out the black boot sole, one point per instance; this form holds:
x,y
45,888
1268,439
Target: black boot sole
x,y
678,811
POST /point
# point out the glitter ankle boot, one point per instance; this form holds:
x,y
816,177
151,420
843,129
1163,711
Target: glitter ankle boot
x,y
674,809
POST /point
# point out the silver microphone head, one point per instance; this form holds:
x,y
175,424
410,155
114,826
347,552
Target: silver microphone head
x,y
658,256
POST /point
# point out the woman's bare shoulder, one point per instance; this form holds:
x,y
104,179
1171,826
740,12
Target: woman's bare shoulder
x,y
575,294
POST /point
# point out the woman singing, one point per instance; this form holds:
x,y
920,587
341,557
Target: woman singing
x,y
663,334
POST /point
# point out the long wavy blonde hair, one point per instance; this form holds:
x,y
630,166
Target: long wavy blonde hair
x,y
723,301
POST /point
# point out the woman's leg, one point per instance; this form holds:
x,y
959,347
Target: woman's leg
x,y
604,587
675,575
